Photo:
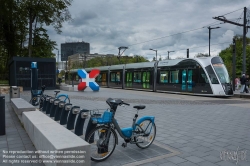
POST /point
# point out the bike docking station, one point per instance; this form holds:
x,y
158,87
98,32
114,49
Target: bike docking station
x,y
64,115
72,116
53,107
58,110
83,115
34,83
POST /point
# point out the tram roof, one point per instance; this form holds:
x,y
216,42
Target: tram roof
x,y
116,67
139,65
204,61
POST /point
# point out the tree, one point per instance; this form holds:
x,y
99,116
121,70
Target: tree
x,y
49,12
113,60
12,30
227,55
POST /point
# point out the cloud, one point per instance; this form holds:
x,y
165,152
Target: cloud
x,y
109,24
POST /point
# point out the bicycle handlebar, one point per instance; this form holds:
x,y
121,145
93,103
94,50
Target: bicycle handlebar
x,y
126,103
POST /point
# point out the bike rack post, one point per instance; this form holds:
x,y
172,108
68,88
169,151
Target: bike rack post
x,y
58,111
83,114
65,112
46,103
51,101
72,116
53,107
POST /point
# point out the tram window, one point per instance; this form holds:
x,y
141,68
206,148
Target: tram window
x,y
212,75
129,77
99,77
137,76
115,77
112,76
203,77
145,76
164,77
174,76
104,77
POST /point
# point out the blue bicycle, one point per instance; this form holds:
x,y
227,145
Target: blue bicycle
x,y
103,138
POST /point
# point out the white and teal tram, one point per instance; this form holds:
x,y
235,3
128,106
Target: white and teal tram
x,y
206,76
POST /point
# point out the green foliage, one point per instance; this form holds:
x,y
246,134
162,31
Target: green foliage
x,y
62,72
24,19
4,82
109,60
227,55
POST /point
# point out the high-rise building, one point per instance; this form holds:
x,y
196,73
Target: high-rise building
x,y
68,49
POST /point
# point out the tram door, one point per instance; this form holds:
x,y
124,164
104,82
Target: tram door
x,y
187,82
145,80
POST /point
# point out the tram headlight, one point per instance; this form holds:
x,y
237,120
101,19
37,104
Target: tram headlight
x,y
223,87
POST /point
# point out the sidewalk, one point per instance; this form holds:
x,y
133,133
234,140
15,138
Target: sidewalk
x,y
241,95
16,138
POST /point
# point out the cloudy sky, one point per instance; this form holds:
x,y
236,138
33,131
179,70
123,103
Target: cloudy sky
x,y
144,24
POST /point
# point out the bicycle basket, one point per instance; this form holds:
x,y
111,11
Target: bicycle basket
x,y
105,118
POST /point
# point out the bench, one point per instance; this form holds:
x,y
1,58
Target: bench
x,y
48,135
20,105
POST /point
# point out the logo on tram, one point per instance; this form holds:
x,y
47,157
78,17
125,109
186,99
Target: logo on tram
x,y
88,80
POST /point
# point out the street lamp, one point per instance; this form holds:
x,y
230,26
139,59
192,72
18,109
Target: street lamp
x,y
169,52
155,52
209,28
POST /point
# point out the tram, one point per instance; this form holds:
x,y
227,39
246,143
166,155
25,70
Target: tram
x,y
206,76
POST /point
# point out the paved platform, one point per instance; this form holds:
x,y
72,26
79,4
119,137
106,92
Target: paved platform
x,y
191,130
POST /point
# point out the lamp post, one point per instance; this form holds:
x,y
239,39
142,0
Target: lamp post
x,y
155,52
209,28
169,52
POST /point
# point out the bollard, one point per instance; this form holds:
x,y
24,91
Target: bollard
x,y
72,116
83,114
58,111
65,112
53,107
2,115
50,104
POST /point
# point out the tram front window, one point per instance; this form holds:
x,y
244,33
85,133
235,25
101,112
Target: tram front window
x,y
222,73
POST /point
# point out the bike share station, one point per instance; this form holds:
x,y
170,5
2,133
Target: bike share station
x,y
45,131
101,127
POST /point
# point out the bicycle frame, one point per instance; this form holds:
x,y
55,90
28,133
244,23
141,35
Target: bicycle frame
x,y
119,130
62,95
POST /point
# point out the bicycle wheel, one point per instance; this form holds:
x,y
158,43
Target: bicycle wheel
x,y
146,131
41,102
34,101
97,138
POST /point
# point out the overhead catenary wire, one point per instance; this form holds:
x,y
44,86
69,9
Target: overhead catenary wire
x,y
212,24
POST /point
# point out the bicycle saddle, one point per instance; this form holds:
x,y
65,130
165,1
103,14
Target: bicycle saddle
x,y
140,107
56,91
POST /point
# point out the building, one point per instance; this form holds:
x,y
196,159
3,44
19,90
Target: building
x,y
68,49
20,72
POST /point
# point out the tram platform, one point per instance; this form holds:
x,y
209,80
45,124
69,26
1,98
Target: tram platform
x,y
241,95
237,93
